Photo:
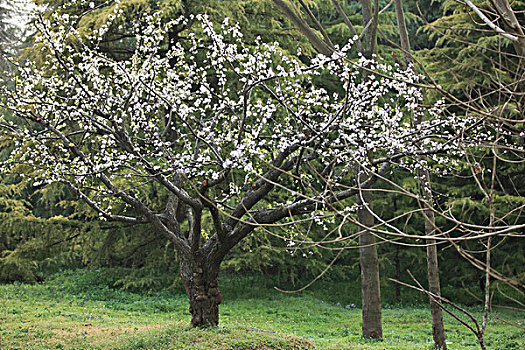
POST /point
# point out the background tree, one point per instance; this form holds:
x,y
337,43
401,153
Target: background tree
x,y
438,328
10,31
321,42
369,262
481,47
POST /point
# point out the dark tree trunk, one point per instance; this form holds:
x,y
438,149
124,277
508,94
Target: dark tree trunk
x,y
201,282
370,288
398,273
397,263
438,329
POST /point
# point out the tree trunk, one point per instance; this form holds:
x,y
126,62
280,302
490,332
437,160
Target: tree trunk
x,y
398,273
403,34
201,282
397,262
320,45
438,330
370,289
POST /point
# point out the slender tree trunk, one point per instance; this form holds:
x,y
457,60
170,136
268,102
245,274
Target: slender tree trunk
x,y
371,296
201,282
303,27
438,328
398,273
370,17
397,262
403,34
370,288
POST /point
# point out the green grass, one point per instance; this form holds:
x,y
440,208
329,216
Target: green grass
x,y
82,310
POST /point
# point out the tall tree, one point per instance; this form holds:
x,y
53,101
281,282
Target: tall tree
x,y
370,283
480,63
438,329
369,262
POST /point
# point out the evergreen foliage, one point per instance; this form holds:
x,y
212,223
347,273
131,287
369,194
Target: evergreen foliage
x,y
43,228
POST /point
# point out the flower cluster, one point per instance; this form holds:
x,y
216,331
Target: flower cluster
x,y
211,109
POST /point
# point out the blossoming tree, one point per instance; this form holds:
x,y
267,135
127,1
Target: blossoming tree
x,y
239,136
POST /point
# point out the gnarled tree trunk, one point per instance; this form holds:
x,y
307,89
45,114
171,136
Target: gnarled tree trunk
x,y
201,282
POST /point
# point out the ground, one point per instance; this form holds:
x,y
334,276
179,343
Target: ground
x,y
81,310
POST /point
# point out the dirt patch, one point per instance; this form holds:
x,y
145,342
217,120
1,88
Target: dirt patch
x,y
91,330
293,342
299,343
92,334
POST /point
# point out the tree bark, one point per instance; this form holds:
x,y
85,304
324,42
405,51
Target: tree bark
x,y
201,282
304,28
370,288
370,18
397,262
403,34
438,329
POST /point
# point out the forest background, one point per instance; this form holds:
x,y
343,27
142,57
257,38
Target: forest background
x,y
46,228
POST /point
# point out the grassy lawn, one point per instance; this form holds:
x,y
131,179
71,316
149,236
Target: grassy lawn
x,y
81,310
